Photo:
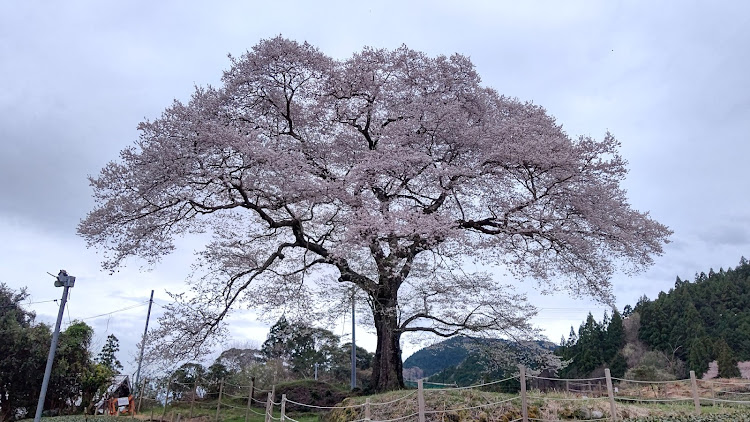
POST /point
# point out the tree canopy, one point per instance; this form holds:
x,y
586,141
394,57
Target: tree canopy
x,y
23,348
595,345
107,356
301,346
292,351
76,380
387,172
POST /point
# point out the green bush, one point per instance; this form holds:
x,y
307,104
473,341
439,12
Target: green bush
x,y
310,392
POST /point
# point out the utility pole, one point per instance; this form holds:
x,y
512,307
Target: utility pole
x,y
65,281
143,342
354,348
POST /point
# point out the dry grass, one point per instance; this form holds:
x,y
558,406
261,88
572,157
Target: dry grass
x,y
475,405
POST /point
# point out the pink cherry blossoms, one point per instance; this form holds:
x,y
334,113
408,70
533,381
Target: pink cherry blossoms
x,y
391,172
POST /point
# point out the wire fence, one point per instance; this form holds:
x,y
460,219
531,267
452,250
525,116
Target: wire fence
x,y
518,398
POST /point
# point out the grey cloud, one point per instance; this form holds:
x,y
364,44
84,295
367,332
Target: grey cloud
x,y
669,79
730,233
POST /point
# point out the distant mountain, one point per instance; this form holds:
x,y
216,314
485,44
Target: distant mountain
x,y
464,360
435,358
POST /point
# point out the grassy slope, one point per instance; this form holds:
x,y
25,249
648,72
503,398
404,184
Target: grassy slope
x,y
464,405
472,405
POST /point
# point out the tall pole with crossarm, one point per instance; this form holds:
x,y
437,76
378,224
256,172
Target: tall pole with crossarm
x,y
65,281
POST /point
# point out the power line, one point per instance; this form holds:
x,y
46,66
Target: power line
x,y
113,312
27,304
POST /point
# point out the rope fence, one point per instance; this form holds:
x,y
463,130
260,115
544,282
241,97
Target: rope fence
x,y
160,400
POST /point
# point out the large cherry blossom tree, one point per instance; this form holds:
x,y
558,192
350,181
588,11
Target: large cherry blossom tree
x,y
392,176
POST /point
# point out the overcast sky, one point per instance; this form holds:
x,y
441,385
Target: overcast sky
x,y
669,79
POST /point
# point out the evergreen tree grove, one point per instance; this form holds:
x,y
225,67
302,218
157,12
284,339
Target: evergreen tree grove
x,y
107,356
726,360
691,325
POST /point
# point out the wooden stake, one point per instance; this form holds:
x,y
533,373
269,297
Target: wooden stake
x,y
694,388
524,403
140,396
252,389
166,400
218,402
249,400
269,407
192,401
611,394
420,400
713,394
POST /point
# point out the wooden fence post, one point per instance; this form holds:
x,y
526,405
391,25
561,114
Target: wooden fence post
x,y
283,407
192,401
166,400
611,394
249,400
218,402
269,407
694,388
367,409
420,400
140,395
524,403
713,394
252,389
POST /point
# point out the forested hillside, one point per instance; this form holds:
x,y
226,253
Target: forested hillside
x,y
683,329
437,357
712,312
465,360
596,345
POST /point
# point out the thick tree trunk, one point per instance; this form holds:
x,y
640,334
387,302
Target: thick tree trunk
x,y
387,366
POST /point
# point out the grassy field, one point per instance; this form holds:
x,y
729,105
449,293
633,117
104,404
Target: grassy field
x,y
474,405
552,408
466,405
460,405
230,411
